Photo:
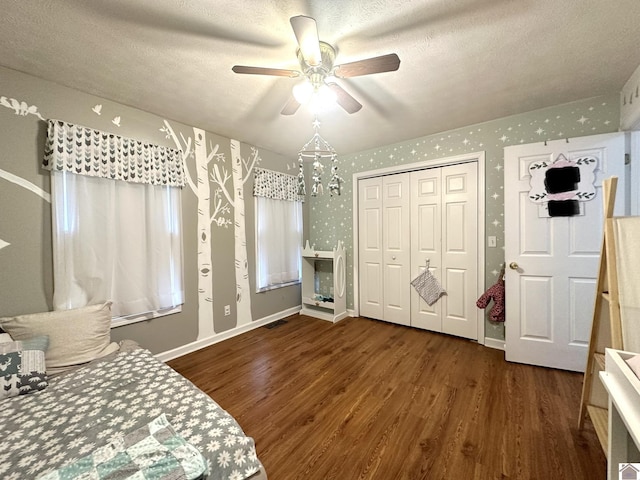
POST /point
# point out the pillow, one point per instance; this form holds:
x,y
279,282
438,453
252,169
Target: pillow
x,y
22,367
5,337
76,336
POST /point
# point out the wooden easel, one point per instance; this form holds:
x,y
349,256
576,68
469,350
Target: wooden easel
x,y
604,334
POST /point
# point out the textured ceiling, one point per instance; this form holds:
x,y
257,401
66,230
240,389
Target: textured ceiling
x,y
462,61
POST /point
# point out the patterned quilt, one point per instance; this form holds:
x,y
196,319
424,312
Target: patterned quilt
x,y
85,410
152,452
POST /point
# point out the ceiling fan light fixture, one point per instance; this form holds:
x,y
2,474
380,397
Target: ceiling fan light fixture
x,y
322,99
327,95
303,91
319,71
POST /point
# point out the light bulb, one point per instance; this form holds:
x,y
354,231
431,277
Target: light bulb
x,y
326,95
323,97
302,92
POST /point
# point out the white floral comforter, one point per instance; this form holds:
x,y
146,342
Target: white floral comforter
x,y
81,411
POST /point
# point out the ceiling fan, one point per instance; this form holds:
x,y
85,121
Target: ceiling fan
x,y
316,60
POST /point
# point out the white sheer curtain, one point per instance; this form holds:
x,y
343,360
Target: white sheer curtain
x,y
115,240
279,241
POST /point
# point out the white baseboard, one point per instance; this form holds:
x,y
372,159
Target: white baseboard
x,y
494,343
219,337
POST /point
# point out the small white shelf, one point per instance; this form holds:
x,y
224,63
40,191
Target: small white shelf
x,y
311,304
317,303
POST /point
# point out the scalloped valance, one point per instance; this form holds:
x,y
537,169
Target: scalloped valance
x,y
275,185
85,151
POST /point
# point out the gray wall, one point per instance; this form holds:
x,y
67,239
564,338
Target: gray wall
x,y
26,283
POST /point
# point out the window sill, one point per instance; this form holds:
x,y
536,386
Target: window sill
x,y
141,317
279,285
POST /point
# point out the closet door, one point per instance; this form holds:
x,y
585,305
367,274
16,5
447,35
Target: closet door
x,y
460,249
444,232
406,219
396,243
370,267
426,194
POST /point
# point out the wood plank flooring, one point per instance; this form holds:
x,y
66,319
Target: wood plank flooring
x,y
363,399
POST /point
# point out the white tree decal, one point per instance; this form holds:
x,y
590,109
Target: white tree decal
x,y
206,216
24,184
23,109
241,170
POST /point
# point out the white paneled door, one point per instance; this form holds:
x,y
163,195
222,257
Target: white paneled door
x,y
384,248
396,244
460,249
444,233
406,219
426,241
552,262
370,247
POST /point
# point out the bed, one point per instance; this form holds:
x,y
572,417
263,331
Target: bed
x,y
122,415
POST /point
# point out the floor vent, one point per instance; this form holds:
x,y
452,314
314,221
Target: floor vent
x,y
275,324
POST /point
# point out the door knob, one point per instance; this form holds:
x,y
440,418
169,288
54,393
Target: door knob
x,y
393,257
513,266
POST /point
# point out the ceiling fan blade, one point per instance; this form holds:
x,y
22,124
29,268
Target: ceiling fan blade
x,y
306,32
344,99
277,72
291,107
383,63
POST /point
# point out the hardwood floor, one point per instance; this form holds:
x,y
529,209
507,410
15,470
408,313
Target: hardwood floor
x,y
363,399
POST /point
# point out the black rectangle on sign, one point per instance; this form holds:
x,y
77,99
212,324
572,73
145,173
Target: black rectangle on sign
x,y
563,179
564,208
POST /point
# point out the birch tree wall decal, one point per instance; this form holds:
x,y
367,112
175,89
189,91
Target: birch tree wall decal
x,y
25,184
23,109
10,177
206,216
241,170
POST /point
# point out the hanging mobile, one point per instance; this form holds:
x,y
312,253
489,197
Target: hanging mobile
x,y
318,149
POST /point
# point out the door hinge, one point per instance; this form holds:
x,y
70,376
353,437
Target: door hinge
x,y
627,159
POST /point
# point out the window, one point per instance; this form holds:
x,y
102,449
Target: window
x,y
278,230
116,240
278,241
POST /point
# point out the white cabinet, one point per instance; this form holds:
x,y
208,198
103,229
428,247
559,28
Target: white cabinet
x,y
319,300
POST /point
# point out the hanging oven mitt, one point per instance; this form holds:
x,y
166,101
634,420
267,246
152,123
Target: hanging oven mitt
x,y
428,287
495,293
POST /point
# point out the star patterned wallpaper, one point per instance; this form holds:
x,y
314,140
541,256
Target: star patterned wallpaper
x,y
331,218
